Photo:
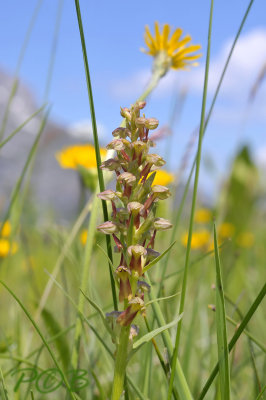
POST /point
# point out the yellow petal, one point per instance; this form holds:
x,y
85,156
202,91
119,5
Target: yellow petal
x,y
157,35
203,215
165,34
179,44
149,40
175,37
4,247
5,230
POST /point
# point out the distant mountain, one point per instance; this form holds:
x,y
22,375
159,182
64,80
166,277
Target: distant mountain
x,y
52,188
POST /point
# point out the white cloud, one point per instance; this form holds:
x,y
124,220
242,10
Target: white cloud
x,y
260,156
247,60
83,130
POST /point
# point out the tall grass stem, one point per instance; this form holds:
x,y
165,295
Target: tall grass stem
x,y
194,199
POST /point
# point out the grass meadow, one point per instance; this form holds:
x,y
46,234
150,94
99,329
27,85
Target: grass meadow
x,y
164,301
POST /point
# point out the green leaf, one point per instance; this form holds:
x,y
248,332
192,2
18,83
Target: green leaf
x,y
223,354
149,336
235,338
100,312
3,390
61,342
18,129
162,298
42,338
157,259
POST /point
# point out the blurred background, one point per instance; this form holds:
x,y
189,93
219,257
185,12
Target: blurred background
x,y
45,217
40,46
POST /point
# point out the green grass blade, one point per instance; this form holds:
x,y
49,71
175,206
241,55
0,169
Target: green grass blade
x,y
100,313
184,196
182,386
98,336
18,129
157,259
260,395
235,338
86,263
249,335
8,106
42,338
61,343
193,206
19,63
149,336
221,329
25,168
69,240
162,299
96,145
3,390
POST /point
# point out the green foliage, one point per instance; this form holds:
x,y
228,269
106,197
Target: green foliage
x,y
67,314
61,342
241,191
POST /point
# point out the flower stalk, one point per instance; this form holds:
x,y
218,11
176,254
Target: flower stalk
x,y
133,224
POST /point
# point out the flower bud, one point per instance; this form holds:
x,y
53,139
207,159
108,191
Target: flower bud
x,y
160,192
135,207
143,286
161,224
108,228
135,305
138,258
127,177
151,123
134,331
140,122
124,286
111,164
121,132
140,147
116,144
140,104
107,195
125,113
155,159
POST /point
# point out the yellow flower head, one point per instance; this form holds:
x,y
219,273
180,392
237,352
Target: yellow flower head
x,y
199,240
203,215
175,52
6,248
5,229
245,239
226,230
162,178
79,155
83,237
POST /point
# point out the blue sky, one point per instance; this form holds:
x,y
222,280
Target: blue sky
x,y
119,71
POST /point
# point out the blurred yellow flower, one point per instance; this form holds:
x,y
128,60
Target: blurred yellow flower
x,y
5,248
245,239
162,178
79,155
199,239
203,215
83,237
5,229
174,51
226,230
